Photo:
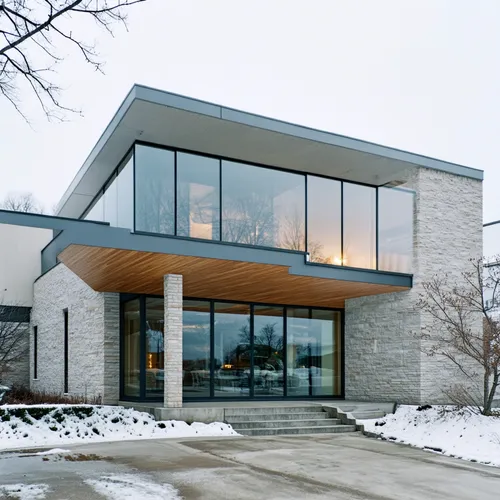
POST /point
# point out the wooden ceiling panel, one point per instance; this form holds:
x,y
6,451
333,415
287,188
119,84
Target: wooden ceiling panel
x,y
127,271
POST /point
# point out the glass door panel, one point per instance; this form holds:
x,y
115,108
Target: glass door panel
x,y
299,348
154,348
232,350
131,347
268,351
196,349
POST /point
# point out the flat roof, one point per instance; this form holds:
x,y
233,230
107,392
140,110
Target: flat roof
x,y
168,119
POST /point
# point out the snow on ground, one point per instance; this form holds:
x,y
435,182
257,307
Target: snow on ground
x,y
24,426
132,487
25,491
53,451
443,429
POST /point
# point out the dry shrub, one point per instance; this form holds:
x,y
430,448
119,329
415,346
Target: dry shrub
x,y
20,394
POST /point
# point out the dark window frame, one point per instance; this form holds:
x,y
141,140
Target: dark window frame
x,y
142,306
175,150
66,350
35,352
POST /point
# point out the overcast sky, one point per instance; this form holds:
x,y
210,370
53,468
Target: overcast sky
x,y
422,76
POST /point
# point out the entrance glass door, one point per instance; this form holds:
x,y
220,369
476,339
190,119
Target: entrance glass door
x,y
268,350
232,350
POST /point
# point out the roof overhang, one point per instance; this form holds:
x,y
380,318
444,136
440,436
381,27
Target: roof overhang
x,y
128,271
168,119
111,259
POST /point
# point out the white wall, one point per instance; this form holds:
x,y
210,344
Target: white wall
x,y
20,262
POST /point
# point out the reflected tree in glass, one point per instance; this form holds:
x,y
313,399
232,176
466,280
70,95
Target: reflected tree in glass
x,y
154,190
262,206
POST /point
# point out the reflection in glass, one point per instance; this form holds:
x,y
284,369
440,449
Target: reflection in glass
x,y
232,350
125,195
491,242
395,229
262,206
196,349
298,351
268,351
313,353
326,355
154,190
197,196
131,346
359,226
111,203
154,348
324,226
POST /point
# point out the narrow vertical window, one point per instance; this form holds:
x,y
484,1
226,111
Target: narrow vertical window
x,y
35,352
65,350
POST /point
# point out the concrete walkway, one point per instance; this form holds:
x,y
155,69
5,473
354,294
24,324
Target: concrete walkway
x,y
343,467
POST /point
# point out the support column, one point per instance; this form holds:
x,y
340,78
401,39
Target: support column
x,y
172,290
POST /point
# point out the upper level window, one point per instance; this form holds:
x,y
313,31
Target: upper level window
x,y
359,238
395,229
324,220
154,190
198,181
196,196
262,206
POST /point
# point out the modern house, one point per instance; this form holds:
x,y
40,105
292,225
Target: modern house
x,y
205,253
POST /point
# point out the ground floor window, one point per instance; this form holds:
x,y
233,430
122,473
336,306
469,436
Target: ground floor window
x,y
234,350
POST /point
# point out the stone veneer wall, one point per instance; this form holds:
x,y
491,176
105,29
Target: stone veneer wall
x,y
383,359
94,336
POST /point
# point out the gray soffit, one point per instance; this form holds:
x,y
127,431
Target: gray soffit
x,y
168,119
80,232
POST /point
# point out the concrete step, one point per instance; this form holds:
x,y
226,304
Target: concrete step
x,y
271,424
298,430
272,410
277,416
368,414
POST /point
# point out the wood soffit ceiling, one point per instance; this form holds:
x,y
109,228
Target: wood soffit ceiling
x,y
128,271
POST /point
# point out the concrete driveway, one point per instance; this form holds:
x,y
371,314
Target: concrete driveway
x,y
343,467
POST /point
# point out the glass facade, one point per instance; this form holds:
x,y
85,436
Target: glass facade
x,y
395,229
234,350
154,354
359,226
340,223
154,190
313,352
196,349
131,349
324,220
263,207
198,183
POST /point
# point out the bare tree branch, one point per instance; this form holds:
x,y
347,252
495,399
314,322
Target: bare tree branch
x,y
466,330
37,30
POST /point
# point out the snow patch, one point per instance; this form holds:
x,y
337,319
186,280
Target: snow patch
x,y
23,426
132,487
25,491
53,451
442,429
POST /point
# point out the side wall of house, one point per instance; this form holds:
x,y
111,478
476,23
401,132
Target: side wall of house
x,y
383,357
93,337
20,265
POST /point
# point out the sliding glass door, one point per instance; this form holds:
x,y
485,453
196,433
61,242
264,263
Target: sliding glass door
x,y
234,350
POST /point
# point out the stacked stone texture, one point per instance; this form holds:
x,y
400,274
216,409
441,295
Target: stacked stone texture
x,y
173,341
94,336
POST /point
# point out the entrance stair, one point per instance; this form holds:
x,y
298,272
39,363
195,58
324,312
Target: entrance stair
x,y
272,421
